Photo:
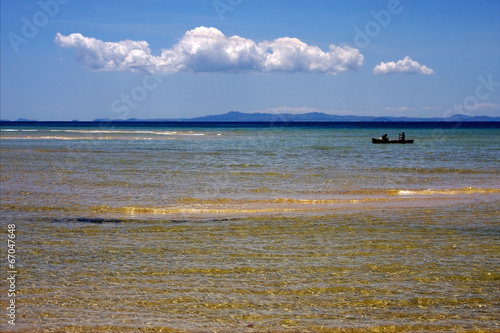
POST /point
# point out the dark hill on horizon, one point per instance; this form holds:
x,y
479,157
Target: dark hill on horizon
x,y
235,116
238,117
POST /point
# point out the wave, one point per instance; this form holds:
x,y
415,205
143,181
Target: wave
x,y
53,137
16,130
130,132
227,207
456,191
116,131
434,170
71,134
199,207
105,135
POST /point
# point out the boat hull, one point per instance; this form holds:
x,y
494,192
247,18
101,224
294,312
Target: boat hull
x,y
375,140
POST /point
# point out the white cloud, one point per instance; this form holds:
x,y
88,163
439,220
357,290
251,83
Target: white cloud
x,y
305,109
432,108
405,66
486,106
289,110
98,55
208,50
399,108
476,107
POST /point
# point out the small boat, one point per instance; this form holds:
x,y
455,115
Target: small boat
x,y
380,140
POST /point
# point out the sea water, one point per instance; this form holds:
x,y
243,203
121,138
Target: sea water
x,y
252,227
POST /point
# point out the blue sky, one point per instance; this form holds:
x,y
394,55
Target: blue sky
x,y
70,59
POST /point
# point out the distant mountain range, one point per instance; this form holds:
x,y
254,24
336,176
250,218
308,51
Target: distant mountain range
x,y
234,116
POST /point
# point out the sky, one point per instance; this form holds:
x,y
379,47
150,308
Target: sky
x,y
149,59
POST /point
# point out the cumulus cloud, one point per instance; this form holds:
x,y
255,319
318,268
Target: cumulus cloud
x,y
405,66
209,50
98,55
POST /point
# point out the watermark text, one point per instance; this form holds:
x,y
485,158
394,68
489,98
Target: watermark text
x,y
223,6
31,27
11,273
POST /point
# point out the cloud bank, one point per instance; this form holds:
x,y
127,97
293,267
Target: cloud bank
x,y
399,109
208,50
289,110
405,66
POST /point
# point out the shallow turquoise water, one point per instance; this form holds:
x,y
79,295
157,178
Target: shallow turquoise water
x,y
253,228
157,167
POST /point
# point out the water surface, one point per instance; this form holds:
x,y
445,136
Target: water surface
x,y
165,227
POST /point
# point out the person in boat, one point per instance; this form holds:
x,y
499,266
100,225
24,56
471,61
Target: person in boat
x,y
384,137
402,136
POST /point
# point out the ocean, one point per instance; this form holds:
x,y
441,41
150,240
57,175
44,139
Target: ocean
x,y
250,227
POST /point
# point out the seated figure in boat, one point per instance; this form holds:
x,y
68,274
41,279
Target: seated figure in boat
x,y
384,137
402,136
